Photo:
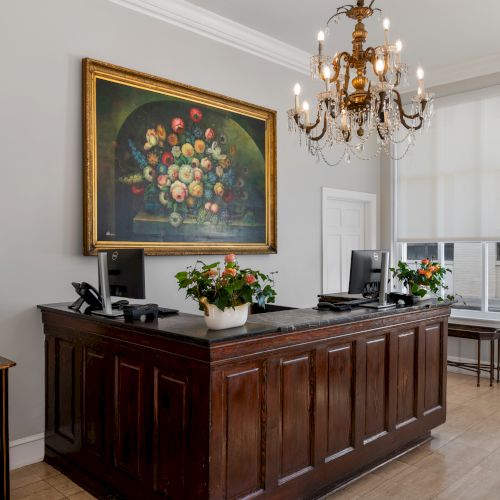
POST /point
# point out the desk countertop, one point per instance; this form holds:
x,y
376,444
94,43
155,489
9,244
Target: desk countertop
x,y
191,327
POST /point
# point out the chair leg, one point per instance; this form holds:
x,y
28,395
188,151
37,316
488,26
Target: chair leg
x,y
498,361
478,363
492,361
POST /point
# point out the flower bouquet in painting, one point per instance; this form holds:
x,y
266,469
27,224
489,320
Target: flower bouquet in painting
x,y
187,172
426,277
224,291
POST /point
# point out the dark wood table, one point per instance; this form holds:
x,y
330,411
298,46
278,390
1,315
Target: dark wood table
x,y
479,332
5,364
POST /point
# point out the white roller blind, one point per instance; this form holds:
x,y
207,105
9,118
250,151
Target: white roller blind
x,y
448,185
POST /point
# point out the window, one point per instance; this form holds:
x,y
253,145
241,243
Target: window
x,y
419,251
475,276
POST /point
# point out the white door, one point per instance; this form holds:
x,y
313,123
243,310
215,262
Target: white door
x,y
347,221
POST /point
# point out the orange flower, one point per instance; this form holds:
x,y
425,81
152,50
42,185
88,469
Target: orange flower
x,y
425,261
421,272
428,275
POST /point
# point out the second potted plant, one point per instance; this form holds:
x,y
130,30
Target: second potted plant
x,y
426,277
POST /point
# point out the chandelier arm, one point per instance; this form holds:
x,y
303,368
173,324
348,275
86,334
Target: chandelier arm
x,y
306,128
340,10
337,64
403,116
323,132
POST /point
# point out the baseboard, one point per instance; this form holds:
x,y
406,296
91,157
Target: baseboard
x,y
454,369
26,451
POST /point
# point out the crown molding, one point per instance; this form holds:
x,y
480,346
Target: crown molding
x,y
465,70
206,23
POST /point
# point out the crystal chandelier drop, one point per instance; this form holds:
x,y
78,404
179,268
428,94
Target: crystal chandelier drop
x,y
352,107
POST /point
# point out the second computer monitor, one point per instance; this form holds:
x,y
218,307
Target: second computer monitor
x,y
365,272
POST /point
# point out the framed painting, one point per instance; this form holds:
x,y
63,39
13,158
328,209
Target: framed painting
x,y
175,169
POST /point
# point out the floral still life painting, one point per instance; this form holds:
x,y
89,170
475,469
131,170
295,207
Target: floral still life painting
x,y
174,169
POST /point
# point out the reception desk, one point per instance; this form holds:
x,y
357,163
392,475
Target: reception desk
x,y
291,405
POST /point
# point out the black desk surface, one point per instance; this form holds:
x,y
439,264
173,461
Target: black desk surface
x,y
192,328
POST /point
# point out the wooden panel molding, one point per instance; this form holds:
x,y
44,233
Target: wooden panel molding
x,y
296,416
341,402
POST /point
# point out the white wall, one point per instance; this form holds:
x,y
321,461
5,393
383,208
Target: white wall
x,y
42,44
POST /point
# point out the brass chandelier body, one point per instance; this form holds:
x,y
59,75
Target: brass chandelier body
x,y
353,107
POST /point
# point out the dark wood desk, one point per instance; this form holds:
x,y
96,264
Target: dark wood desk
x,y
5,364
478,331
292,405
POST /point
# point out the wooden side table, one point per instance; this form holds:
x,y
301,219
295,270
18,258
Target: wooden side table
x,y
5,364
478,332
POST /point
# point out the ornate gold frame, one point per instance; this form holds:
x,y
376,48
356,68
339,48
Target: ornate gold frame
x,y
92,70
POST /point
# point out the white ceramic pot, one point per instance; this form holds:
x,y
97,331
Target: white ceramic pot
x,y
228,318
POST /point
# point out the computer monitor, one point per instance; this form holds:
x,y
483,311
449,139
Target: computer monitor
x,y
126,273
121,274
365,272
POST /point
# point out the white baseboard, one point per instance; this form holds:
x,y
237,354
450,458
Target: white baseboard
x,y
26,451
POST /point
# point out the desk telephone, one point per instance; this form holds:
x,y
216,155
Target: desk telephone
x,y
89,295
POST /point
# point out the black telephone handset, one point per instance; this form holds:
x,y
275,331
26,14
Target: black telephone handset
x,y
87,293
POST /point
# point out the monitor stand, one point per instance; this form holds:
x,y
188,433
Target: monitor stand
x,y
384,278
102,267
381,304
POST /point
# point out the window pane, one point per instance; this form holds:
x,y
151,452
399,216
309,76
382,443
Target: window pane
x,y
449,250
419,251
493,277
465,280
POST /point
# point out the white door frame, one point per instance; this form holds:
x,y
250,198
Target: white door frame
x,y
370,202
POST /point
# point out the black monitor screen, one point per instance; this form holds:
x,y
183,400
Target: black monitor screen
x,y
126,273
365,271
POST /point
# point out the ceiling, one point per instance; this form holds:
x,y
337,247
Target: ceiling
x,y
437,33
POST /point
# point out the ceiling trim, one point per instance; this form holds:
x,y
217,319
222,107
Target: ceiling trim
x,y
206,23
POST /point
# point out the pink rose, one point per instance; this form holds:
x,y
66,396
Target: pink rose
x,y
209,134
178,190
178,125
230,257
230,271
162,180
250,279
198,174
206,164
214,208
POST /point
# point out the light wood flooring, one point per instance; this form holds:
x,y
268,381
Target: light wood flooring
x,y
462,462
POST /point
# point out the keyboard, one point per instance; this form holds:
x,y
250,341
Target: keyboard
x,y
165,311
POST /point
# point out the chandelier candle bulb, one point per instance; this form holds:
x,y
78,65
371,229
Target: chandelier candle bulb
x,y
343,120
387,24
296,91
420,78
327,74
305,108
379,68
321,39
399,48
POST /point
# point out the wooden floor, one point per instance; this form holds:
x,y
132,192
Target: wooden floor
x,y
461,462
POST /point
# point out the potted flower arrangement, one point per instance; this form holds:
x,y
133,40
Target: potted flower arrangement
x,y
427,276
224,291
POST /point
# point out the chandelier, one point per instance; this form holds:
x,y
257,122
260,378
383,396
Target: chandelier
x,y
352,107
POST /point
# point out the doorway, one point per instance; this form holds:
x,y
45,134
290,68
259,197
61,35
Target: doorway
x,y
349,221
